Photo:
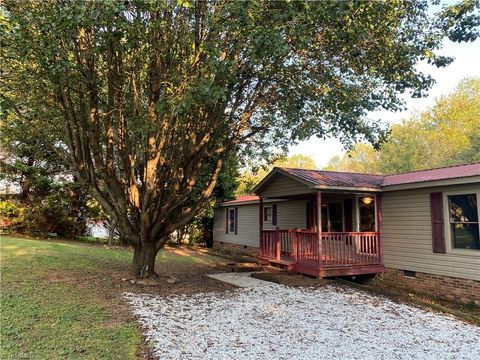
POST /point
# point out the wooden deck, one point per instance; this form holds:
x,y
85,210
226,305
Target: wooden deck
x,y
332,254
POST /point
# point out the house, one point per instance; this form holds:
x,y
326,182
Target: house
x,y
418,229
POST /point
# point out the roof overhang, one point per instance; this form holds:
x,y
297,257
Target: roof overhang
x,y
274,172
234,203
310,185
433,183
346,188
313,187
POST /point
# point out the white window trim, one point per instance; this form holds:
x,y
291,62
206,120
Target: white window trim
x,y
446,221
269,222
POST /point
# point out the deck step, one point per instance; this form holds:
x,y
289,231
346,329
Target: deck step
x,y
273,269
283,264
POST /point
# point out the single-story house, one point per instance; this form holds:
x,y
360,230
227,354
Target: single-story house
x,y
419,229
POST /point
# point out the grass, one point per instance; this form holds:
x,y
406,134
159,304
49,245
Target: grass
x,y
63,300
92,239
52,307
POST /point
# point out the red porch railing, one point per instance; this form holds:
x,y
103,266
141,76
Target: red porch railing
x,y
350,248
338,248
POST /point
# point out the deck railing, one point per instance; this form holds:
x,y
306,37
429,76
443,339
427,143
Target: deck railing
x,y
350,248
337,248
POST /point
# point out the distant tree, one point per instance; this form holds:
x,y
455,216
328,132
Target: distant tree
x,y
139,97
362,158
50,199
249,178
448,133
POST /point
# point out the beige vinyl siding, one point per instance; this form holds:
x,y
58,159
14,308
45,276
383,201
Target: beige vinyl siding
x,y
247,230
407,235
282,185
290,214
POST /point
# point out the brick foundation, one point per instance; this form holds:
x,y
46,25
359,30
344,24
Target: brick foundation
x,y
452,288
241,249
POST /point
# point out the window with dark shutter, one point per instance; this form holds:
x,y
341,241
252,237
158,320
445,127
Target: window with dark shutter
x,y
267,214
438,234
231,221
274,214
464,221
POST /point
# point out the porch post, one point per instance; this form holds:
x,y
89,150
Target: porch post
x,y
260,226
277,243
378,207
318,221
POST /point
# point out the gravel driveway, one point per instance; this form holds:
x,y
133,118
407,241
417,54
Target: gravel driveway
x,y
277,322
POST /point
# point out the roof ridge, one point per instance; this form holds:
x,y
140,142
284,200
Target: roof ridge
x,y
330,171
436,168
382,175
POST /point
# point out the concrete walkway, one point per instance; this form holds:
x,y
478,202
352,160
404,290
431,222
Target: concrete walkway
x,y
243,280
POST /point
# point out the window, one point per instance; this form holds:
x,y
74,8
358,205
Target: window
x,y
366,209
231,220
335,213
332,217
267,214
325,217
463,221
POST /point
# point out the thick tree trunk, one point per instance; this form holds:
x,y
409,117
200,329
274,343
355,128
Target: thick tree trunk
x,y
143,264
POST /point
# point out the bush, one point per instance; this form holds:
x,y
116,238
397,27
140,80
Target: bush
x,y
53,213
11,214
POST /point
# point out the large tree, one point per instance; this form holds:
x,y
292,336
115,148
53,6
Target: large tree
x,y
142,98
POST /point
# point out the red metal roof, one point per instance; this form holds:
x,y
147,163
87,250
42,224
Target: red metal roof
x,y
241,199
356,180
335,178
450,172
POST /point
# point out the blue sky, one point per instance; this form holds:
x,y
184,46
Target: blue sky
x,y
466,64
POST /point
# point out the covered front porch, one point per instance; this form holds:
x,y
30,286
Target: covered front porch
x,y
341,236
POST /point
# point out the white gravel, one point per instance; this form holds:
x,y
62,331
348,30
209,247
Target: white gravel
x,y
277,322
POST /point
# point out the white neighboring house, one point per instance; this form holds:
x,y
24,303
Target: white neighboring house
x,y
8,188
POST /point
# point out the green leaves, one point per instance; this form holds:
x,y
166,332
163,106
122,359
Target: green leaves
x,y
460,21
446,134
146,100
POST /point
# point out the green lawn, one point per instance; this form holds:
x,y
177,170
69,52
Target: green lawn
x,y
58,301
63,300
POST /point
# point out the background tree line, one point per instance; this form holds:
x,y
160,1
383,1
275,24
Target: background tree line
x,y
447,133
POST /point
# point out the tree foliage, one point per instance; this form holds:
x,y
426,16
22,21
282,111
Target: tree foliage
x,y
249,178
362,158
145,100
446,134
50,200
